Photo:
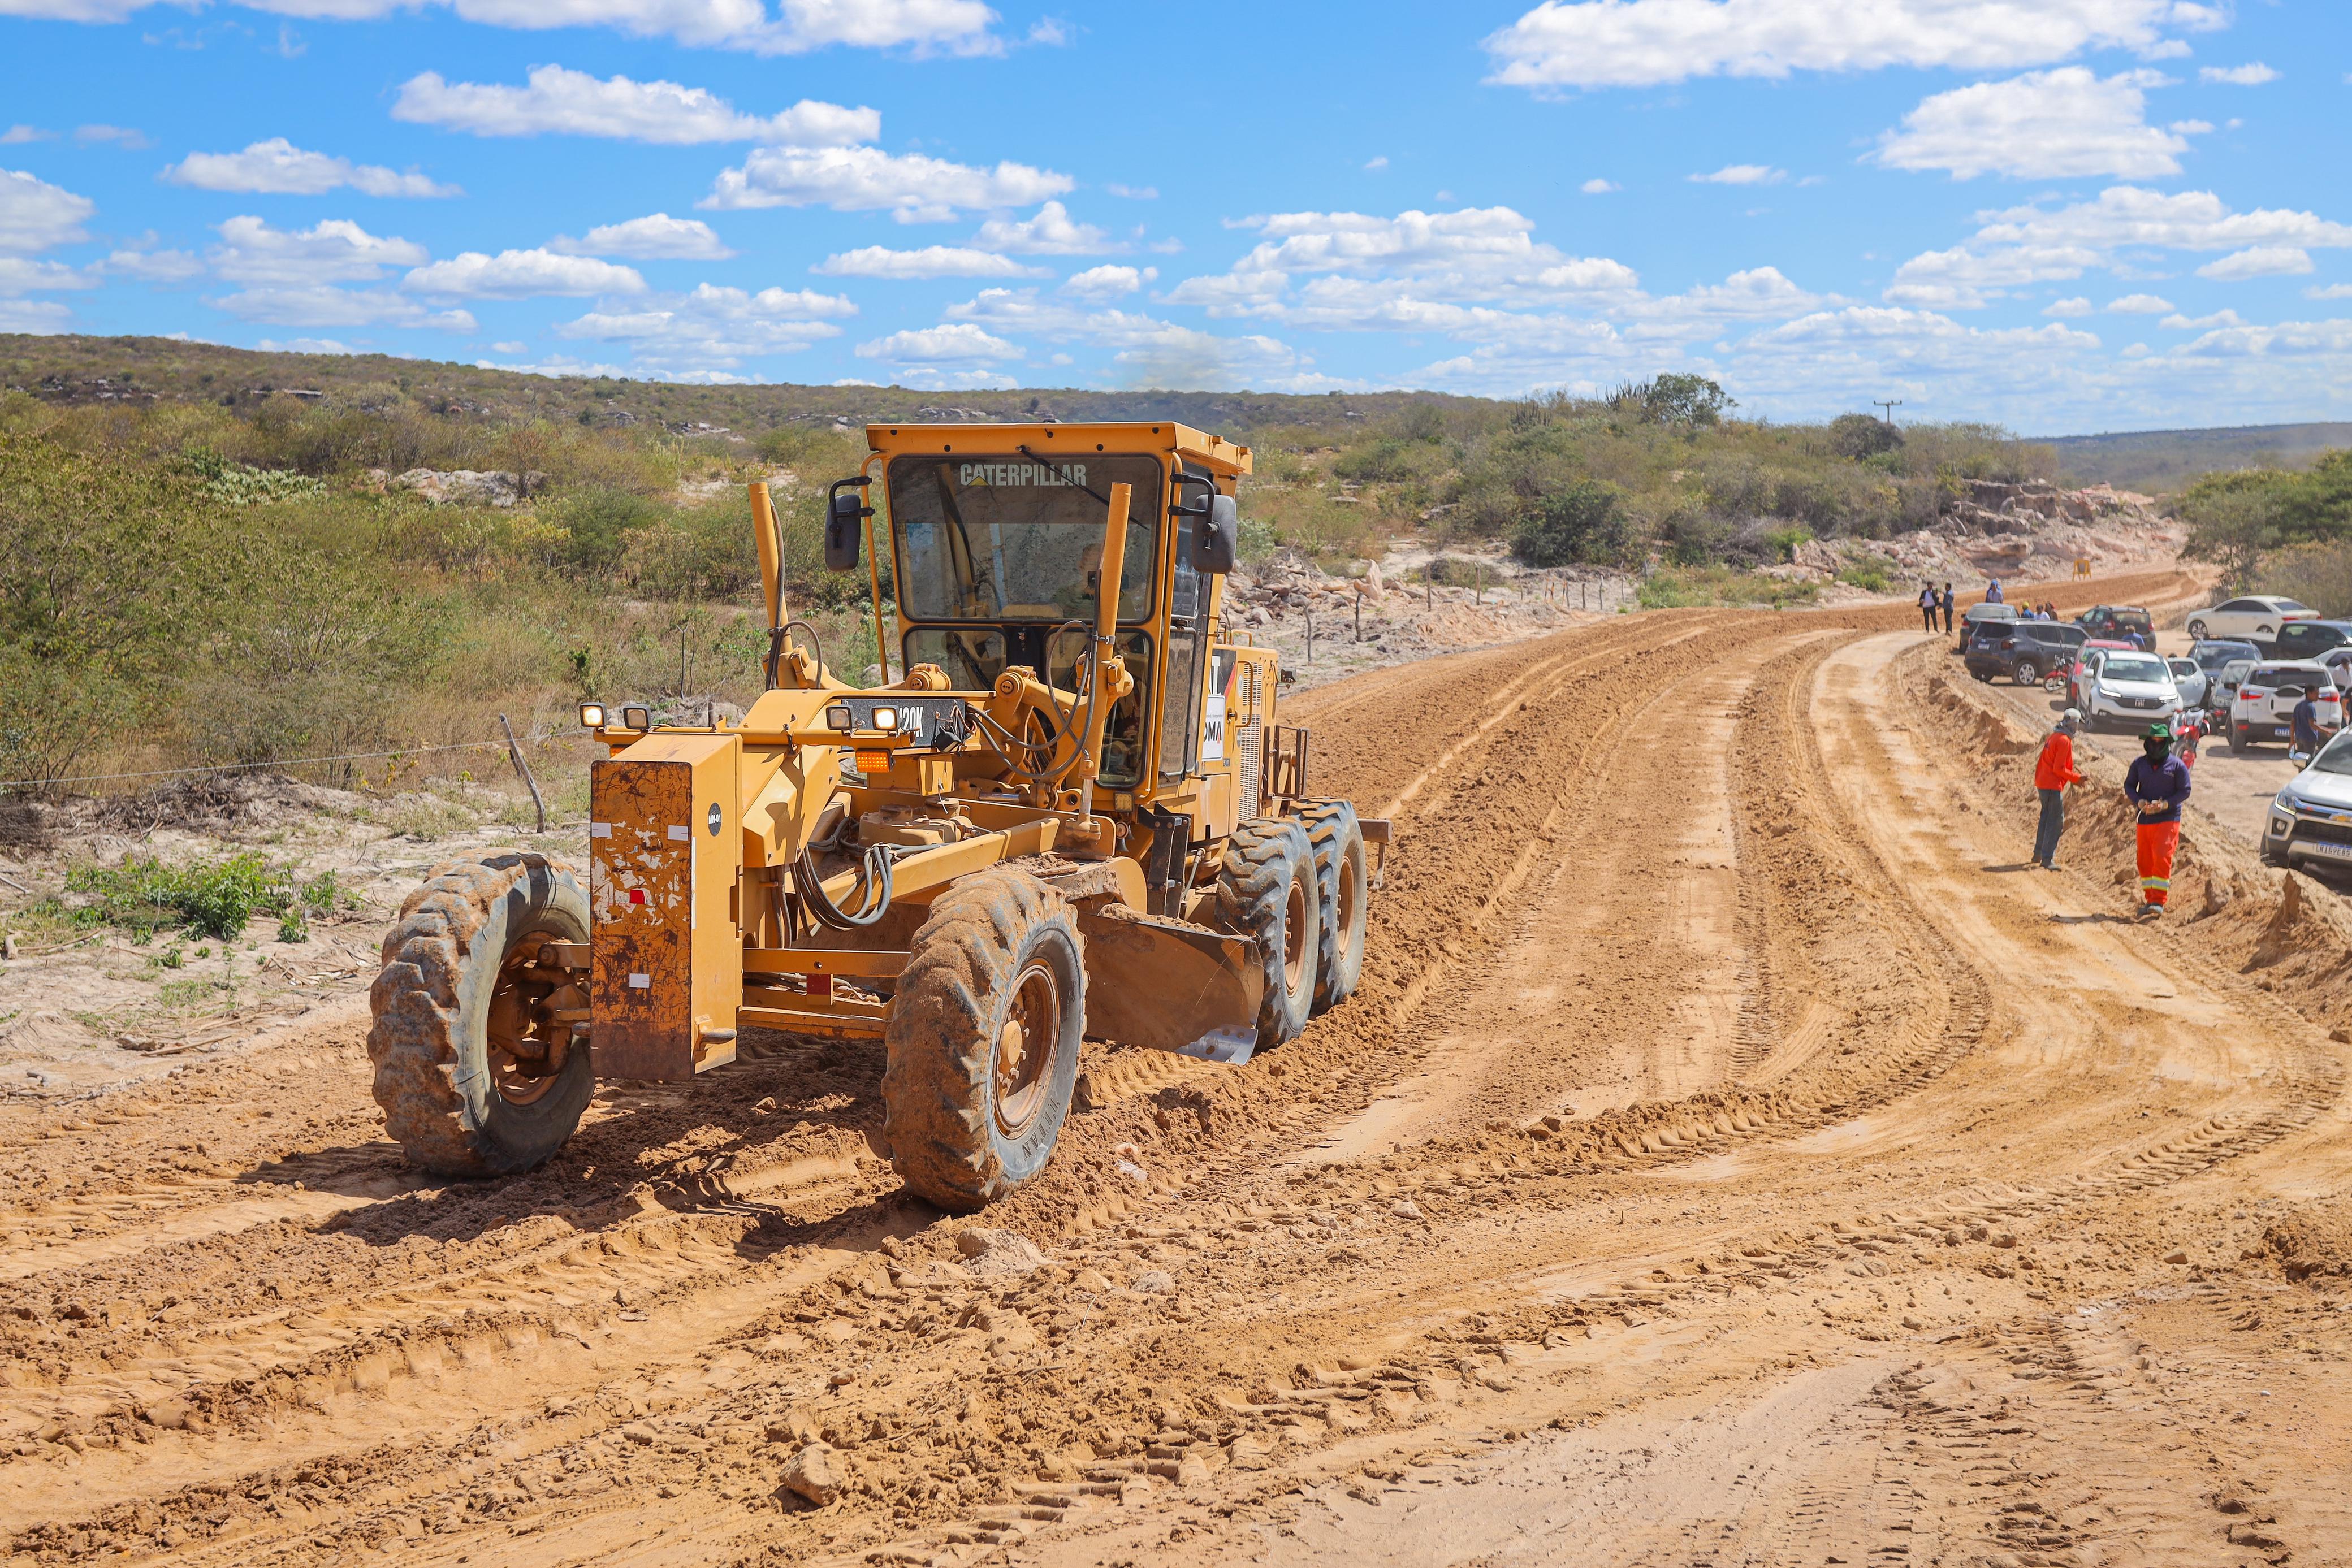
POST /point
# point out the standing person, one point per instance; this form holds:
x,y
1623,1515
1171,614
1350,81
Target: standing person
x,y
2304,736
1992,590
1947,605
2053,770
2158,787
1927,604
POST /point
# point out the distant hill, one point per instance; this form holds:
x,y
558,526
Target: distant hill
x,y
141,371
2157,461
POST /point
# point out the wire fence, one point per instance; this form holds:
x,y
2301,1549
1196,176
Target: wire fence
x,y
281,763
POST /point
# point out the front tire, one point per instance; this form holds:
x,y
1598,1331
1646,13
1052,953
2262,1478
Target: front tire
x,y
1342,881
2028,674
2197,630
456,971
983,1041
1265,891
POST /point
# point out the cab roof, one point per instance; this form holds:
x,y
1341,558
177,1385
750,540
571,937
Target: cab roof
x,y
1211,452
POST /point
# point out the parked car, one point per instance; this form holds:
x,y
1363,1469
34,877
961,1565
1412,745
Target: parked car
x,y
2263,706
1977,615
2226,681
2309,639
2339,663
2086,665
2128,688
2024,651
2256,617
2213,653
2119,624
2311,819
2193,682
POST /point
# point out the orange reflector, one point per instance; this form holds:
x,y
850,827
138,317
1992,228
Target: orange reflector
x,y
819,984
873,762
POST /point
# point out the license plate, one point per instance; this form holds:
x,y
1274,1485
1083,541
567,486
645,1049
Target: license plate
x,y
2333,852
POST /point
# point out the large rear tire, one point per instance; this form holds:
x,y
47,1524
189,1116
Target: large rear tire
x,y
2197,631
1265,891
1341,879
983,1041
455,972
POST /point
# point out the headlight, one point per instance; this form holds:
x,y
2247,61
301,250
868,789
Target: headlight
x,y
886,718
2285,801
837,717
638,719
592,716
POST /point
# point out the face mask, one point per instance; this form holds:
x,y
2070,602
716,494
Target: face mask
x,y
2156,749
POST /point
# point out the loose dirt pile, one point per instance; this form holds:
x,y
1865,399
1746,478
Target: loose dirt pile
x,y
1719,1163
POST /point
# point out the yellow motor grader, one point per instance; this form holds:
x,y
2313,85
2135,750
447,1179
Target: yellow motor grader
x,y
1072,815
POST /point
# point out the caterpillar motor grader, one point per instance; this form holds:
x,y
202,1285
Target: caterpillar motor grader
x,y
1072,815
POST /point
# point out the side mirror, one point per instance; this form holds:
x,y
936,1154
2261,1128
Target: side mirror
x,y
846,512
1217,536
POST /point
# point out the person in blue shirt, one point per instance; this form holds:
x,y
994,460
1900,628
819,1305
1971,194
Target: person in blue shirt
x,y
2158,786
1992,590
2304,736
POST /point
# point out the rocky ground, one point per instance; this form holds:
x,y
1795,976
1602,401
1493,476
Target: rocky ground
x,y
1727,1160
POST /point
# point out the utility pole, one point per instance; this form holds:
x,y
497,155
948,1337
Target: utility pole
x,y
1890,405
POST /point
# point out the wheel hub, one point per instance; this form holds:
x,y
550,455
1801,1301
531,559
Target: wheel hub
x,y
1293,935
529,1033
1024,1045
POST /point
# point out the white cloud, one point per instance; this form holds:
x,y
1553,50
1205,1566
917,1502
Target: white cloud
x,y
911,187
1740,174
2067,308
2329,291
324,307
2258,261
1050,232
303,346
122,136
2139,305
278,167
930,261
574,103
2252,74
22,275
1376,164
654,238
2177,322
1599,187
1100,283
711,327
16,135
1134,193
150,265
334,251
961,341
510,348
957,27
35,316
36,215
2285,340
521,275
1636,43
2053,125
2191,220
1145,350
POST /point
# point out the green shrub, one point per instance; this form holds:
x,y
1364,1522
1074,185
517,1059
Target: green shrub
x,y
1855,436
1868,574
1785,540
210,897
1582,521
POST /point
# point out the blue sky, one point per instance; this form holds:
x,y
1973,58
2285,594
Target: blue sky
x,y
2064,215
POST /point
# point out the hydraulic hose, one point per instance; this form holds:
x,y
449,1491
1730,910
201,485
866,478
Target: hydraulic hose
x,y
778,640
873,890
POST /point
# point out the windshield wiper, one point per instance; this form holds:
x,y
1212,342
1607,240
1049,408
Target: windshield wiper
x,y
1064,474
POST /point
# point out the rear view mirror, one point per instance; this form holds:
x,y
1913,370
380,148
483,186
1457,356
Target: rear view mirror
x,y
1217,536
845,513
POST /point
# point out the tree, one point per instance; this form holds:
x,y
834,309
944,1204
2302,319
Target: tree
x,y
1855,436
1674,399
2232,519
1583,520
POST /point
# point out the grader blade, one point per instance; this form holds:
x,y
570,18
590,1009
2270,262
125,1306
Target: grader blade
x,y
1166,985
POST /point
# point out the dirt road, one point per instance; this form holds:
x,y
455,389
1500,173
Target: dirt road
x,y
1725,1161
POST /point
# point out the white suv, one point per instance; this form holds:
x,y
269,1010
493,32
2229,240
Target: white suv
x,y
2131,689
2264,709
2258,617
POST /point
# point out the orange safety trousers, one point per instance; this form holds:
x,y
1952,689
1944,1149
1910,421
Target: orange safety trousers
x,y
2158,841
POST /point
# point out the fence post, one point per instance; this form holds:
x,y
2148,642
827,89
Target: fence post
x,y
514,750
1310,633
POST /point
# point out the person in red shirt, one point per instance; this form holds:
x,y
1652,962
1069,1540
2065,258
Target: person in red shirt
x,y
2053,770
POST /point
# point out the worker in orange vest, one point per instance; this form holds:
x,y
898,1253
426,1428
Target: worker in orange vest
x,y
2053,770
